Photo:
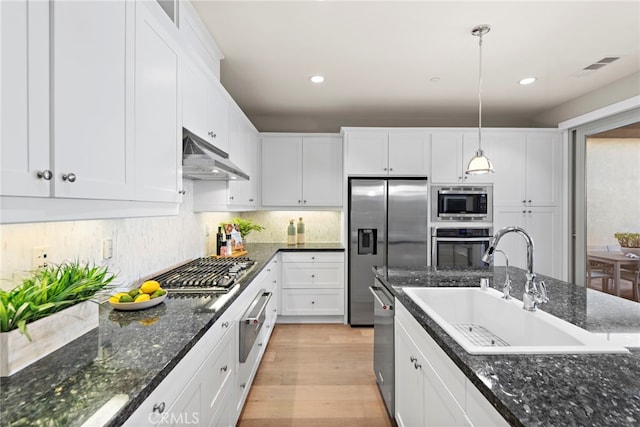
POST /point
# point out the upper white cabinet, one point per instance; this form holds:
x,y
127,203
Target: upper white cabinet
x,y
244,144
158,133
450,154
528,168
301,171
381,152
24,112
92,70
205,107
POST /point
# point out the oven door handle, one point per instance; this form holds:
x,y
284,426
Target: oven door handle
x,y
462,239
384,306
257,318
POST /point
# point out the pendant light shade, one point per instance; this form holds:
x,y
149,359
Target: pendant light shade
x,y
479,164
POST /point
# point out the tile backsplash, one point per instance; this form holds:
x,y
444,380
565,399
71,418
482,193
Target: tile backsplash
x,y
144,246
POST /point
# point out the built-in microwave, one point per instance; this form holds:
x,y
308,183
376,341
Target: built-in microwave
x,y
462,203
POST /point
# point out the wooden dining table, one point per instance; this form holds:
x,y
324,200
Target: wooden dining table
x,y
617,260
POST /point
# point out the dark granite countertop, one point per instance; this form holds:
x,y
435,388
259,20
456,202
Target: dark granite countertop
x,y
537,389
129,354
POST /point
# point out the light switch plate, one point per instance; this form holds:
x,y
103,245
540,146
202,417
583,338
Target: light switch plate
x,y
40,256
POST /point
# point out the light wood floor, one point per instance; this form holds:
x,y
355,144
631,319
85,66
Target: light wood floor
x,y
316,375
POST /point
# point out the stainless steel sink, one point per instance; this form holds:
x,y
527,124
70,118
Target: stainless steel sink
x,y
482,322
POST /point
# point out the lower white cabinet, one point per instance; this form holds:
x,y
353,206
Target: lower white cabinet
x,y
209,385
312,284
430,389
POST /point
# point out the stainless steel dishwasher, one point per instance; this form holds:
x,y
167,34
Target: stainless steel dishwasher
x,y
383,360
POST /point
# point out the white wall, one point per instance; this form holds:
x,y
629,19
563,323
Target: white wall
x,y
613,189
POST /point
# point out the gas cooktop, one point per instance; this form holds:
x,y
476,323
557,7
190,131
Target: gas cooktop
x,y
205,275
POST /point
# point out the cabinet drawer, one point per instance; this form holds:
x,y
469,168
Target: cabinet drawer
x,y
314,257
316,302
310,275
217,372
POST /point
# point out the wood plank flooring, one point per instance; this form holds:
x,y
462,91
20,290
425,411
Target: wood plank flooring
x,y
316,375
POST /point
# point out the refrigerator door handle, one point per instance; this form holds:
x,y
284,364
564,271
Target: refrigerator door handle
x,y
377,298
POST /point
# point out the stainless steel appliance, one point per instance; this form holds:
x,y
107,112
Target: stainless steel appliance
x,y
383,359
459,246
387,226
462,203
251,323
204,275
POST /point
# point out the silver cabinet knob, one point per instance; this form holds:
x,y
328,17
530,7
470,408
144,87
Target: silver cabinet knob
x,y
158,407
528,201
251,200
225,324
313,275
524,201
390,169
231,197
182,192
412,359
417,365
524,211
313,302
243,385
71,177
224,368
45,174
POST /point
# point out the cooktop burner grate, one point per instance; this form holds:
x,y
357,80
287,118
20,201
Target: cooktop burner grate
x,y
204,275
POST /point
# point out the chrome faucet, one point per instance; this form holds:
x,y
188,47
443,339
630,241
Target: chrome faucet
x,y
534,293
506,288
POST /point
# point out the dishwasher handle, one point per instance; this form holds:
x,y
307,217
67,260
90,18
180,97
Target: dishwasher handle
x,y
383,305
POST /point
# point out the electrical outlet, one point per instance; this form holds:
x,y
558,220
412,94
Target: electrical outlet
x,y
40,256
107,248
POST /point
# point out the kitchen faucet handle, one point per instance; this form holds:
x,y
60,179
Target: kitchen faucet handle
x,y
543,292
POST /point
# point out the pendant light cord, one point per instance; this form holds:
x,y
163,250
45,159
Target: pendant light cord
x,y
480,97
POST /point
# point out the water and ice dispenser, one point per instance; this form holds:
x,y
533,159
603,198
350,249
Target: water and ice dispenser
x,y
367,241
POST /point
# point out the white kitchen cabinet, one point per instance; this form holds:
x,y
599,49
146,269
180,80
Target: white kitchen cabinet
x,y
244,152
392,153
422,399
92,108
312,284
205,110
158,130
543,225
24,108
450,154
301,171
430,389
532,171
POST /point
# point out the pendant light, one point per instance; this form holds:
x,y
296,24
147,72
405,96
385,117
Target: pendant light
x,y
480,163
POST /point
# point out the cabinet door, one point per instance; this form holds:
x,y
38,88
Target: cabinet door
x,y
543,225
544,169
409,381
321,171
158,141
244,194
446,149
24,108
509,153
367,153
195,89
92,69
282,171
409,153
441,408
218,116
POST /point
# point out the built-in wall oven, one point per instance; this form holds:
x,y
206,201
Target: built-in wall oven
x,y
455,203
459,246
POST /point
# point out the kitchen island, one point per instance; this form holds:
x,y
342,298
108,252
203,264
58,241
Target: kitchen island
x,y
122,361
544,389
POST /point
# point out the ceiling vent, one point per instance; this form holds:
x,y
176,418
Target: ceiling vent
x,y
599,64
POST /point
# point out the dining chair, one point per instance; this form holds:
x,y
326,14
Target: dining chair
x,y
631,272
599,270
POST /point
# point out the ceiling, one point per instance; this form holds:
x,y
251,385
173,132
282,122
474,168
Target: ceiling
x,y
391,63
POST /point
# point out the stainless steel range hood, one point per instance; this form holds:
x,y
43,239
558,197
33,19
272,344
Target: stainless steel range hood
x,y
206,162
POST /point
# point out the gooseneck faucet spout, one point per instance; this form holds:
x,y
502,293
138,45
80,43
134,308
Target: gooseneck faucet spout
x,y
534,293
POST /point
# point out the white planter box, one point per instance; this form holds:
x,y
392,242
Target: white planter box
x,y
47,335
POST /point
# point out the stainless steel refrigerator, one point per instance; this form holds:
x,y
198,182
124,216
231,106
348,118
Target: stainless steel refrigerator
x,y
387,226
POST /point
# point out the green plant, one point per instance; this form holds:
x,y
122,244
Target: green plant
x,y
246,226
628,240
49,290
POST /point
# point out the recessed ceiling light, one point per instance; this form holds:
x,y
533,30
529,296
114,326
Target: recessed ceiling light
x,y
316,79
527,81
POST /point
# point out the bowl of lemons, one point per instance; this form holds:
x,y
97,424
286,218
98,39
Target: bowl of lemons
x,y
147,295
